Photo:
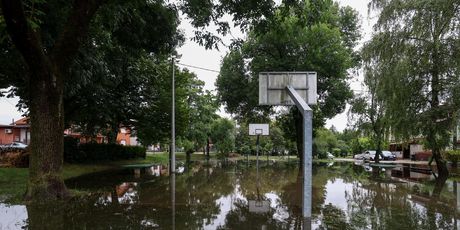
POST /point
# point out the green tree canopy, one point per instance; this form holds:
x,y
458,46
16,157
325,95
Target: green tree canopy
x,y
317,36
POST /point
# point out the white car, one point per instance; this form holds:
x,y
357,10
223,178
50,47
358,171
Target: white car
x,y
359,156
14,145
387,155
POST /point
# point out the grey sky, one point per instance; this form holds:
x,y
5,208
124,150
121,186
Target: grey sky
x,y
193,54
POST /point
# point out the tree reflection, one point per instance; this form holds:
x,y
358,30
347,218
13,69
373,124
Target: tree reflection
x,y
217,195
386,204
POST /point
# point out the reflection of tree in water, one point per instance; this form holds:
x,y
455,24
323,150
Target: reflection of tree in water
x,y
334,218
241,218
196,195
381,204
372,203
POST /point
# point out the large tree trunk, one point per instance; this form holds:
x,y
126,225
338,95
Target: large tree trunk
x,y
378,151
433,134
207,147
47,139
443,172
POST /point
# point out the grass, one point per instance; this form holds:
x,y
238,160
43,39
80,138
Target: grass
x,y
13,181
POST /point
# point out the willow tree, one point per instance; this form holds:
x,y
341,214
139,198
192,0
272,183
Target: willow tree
x,y
418,45
369,109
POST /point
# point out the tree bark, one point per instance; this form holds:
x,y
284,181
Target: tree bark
x,y
443,172
433,134
207,147
47,128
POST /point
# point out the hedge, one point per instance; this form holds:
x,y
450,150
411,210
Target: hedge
x,y
452,156
75,153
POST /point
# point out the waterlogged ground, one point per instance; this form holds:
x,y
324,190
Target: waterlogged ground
x,y
235,195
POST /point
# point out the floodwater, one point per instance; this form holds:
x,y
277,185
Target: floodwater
x,y
235,195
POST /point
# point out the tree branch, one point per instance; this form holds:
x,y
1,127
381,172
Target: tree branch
x,y
22,35
75,30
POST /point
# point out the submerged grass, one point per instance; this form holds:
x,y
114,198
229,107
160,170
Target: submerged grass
x,y
13,181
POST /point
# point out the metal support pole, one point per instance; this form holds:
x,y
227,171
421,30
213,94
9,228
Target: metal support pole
x,y
173,123
307,151
257,152
307,163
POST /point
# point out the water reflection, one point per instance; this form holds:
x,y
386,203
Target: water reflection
x,y
235,195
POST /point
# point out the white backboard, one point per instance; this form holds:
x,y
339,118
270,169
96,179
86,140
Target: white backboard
x,y
272,87
259,129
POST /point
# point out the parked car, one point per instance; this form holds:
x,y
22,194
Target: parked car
x,y
387,155
14,146
359,156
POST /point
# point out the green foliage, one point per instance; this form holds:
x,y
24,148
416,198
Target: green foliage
x,y
91,152
325,141
202,107
361,144
452,156
188,146
292,39
153,122
223,135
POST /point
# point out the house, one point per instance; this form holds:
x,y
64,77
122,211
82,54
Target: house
x,y
124,136
415,150
17,131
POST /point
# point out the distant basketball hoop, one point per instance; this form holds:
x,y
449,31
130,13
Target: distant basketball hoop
x,y
259,129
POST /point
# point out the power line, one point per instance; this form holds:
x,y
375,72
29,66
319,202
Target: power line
x,y
197,67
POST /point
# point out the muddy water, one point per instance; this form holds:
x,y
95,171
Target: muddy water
x,y
232,195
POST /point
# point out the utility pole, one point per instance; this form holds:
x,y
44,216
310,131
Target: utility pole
x,y
172,156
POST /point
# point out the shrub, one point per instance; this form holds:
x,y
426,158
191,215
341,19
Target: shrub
x,y
74,153
15,158
452,156
336,152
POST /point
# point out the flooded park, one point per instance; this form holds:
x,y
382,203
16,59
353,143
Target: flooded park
x,y
236,195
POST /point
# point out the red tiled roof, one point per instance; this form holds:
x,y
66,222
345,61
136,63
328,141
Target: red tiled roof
x,y
22,121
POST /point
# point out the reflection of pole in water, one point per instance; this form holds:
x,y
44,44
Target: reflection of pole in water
x,y
306,223
257,173
173,199
457,188
257,151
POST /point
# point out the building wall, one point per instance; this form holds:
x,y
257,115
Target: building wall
x,y
25,136
16,135
5,138
123,137
414,148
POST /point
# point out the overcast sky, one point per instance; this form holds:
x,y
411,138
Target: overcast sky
x,y
193,54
